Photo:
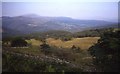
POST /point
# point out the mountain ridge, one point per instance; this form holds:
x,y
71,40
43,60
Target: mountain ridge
x,y
34,23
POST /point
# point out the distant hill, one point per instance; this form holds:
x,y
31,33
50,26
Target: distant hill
x,y
27,24
9,32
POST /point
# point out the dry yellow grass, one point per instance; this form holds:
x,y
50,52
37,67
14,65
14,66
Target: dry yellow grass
x,y
83,43
34,42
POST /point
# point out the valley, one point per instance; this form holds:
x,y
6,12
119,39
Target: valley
x,y
59,36
58,44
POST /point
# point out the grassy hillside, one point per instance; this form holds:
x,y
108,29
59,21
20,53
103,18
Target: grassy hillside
x,y
61,52
34,42
83,43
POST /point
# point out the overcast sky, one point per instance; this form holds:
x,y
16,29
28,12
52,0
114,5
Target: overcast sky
x,y
80,10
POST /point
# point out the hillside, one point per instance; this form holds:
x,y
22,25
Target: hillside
x,y
27,24
82,43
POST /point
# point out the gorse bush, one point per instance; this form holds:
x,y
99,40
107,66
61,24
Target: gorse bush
x,y
45,48
50,69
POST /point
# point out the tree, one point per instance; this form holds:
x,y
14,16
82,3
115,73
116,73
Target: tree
x,y
6,41
18,42
106,51
65,38
73,47
45,48
76,49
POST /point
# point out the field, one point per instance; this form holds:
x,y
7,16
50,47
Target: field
x,y
83,43
34,42
60,51
57,57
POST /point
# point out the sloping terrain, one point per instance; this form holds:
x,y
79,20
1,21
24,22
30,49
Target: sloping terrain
x,y
83,43
30,24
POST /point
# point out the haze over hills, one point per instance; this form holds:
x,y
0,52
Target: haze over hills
x,y
33,23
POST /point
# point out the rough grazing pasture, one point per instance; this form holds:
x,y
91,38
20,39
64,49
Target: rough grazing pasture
x,y
83,43
78,60
34,42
